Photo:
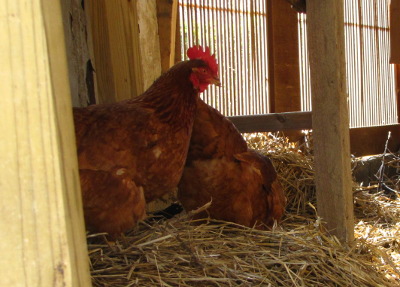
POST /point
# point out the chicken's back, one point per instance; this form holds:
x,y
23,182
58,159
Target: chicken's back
x,y
241,183
239,189
213,136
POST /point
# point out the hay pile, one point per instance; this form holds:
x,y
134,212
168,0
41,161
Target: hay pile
x,y
178,252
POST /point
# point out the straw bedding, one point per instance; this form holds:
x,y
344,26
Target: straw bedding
x,y
297,252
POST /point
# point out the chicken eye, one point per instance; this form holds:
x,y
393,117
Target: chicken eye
x,y
203,70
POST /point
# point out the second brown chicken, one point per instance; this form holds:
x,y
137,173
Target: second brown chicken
x,y
242,184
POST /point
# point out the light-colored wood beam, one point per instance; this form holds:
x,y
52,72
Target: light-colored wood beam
x,y
43,238
149,41
113,27
174,21
325,28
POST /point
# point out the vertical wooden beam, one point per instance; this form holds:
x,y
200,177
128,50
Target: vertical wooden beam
x,y
325,28
283,57
174,18
283,61
149,42
115,49
77,52
166,29
43,239
395,31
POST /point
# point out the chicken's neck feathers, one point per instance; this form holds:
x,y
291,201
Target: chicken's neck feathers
x,y
172,97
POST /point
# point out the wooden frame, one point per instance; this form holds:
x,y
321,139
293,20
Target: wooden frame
x,y
43,235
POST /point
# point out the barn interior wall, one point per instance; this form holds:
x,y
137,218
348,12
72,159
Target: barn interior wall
x,y
113,49
153,43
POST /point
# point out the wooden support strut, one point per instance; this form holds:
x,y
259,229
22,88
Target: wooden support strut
x,y
325,28
43,237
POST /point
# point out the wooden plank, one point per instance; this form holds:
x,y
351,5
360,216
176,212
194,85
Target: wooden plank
x,y
273,122
43,237
164,17
325,28
363,141
100,51
115,48
283,58
77,52
148,41
395,31
174,20
371,140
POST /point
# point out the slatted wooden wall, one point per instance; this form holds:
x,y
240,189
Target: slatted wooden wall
x,y
237,32
371,79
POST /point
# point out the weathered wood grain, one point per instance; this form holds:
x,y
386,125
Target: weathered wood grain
x,y
43,237
325,28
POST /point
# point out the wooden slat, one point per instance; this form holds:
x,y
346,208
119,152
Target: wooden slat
x,y
330,116
174,20
75,27
363,141
283,58
371,140
115,49
43,237
239,48
148,41
273,122
395,31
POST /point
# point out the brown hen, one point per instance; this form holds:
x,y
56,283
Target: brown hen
x,y
242,184
147,136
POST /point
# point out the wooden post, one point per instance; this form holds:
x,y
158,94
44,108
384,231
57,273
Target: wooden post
x,y
283,61
283,51
395,31
325,28
149,42
43,238
82,89
115,49
166,21
174,18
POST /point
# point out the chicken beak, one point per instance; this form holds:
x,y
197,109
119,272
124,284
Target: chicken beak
x,y
215,81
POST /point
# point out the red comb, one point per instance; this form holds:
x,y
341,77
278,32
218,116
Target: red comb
x,y
196,52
